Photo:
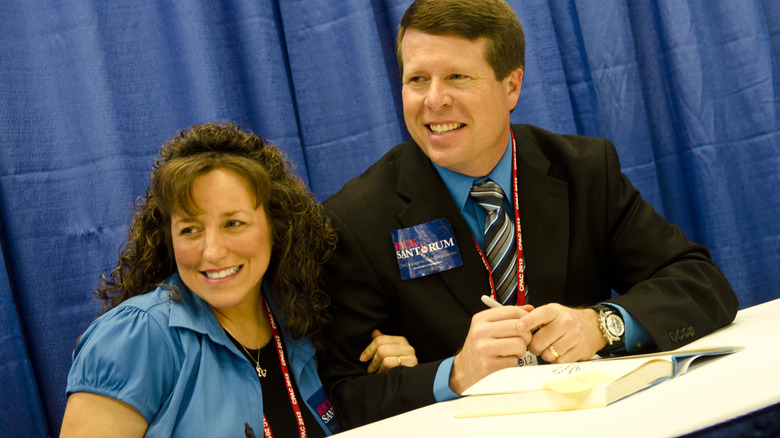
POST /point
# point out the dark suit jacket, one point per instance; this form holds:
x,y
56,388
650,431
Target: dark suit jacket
x,y
586,231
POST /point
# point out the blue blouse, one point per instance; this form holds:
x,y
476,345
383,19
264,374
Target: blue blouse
x,y
172,362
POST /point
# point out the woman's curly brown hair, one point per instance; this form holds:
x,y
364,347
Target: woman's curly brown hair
x,y
302,237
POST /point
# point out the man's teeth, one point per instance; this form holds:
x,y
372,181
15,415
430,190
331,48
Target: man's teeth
x,y
222,274
444,127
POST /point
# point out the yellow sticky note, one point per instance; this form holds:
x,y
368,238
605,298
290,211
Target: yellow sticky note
x,y
579,383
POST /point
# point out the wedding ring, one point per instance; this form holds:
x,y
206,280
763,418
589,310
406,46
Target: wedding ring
x,y
553,351
399,360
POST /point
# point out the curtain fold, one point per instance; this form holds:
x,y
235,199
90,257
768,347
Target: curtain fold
x,y
25,412
89,90
346,85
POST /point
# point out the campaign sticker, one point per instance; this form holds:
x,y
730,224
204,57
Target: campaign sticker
x,y
426,249
319,400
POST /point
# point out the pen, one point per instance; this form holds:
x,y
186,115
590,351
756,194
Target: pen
x,y
490,302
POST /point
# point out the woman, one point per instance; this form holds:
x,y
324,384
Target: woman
x,y
216,305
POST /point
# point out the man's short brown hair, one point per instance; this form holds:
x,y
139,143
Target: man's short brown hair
x,y
471,19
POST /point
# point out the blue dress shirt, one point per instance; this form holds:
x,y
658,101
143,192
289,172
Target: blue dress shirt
x,y
172,362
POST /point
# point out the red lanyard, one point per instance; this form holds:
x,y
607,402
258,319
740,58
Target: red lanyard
x,y
518,232
287,379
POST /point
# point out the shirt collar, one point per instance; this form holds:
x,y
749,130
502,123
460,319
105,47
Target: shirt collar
x,y
459,185
193,313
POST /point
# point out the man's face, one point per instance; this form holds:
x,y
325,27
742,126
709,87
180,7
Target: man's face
x,y
454,107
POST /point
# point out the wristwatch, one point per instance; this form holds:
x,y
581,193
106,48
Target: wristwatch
x,y
612,327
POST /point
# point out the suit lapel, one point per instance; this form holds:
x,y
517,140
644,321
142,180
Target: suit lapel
x,y
429,200
544,218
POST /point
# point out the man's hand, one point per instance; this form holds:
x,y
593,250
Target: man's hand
x,y
496,339
385,352
573,334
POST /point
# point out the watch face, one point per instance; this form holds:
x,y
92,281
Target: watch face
x,y
615,325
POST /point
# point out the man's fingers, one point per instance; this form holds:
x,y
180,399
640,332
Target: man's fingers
x,y
503,313
539,317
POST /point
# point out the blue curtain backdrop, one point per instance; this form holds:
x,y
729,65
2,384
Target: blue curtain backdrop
x,y
689,91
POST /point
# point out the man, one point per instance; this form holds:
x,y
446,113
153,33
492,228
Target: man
x,y
418,234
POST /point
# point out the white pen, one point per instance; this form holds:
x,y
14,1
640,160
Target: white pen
x,y
490,302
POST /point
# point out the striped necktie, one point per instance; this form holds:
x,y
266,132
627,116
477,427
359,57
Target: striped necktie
x,y
500,246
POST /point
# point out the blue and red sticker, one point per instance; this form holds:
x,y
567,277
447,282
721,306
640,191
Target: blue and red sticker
x,y
426,249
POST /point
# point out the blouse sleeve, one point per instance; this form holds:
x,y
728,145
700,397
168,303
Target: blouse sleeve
x,y
126,355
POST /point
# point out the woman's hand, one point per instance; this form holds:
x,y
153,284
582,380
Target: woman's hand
x,y
385,352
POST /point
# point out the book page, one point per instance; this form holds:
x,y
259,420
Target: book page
x,y
585,375
571,377
580,382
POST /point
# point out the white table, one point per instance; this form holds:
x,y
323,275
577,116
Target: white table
x,y
717,391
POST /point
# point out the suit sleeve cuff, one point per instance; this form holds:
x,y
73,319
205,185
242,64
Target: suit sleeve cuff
x,y
637,337
441,383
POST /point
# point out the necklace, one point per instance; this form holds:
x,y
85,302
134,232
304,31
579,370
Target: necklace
x,y
261,372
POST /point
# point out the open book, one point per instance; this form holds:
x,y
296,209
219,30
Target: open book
x,y
580,385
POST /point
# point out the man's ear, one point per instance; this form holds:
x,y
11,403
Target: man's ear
x,y
514,83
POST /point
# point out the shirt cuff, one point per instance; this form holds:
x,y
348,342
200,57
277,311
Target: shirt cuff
x,y
637,337
441,384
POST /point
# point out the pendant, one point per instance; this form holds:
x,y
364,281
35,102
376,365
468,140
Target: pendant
x,y
260,371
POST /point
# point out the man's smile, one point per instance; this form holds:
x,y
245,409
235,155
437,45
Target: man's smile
x,y
441,128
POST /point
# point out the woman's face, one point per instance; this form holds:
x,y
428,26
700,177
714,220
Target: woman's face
x,y
223,252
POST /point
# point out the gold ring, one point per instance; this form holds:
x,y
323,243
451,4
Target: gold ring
x,y
399,360
554,353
